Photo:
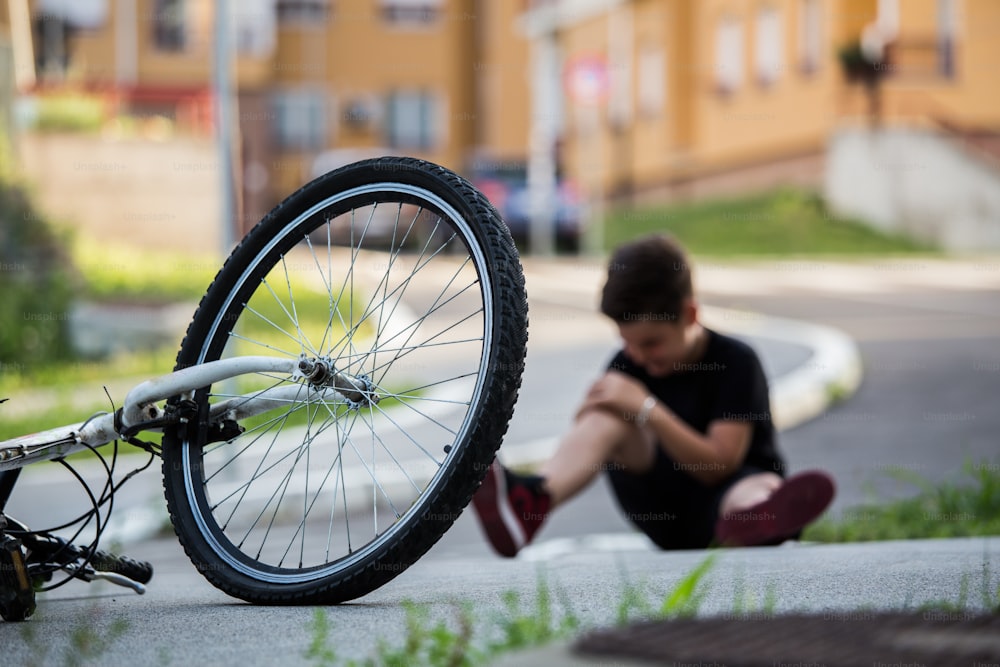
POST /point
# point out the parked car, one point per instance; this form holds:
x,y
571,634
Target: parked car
x,y
505,183
384,226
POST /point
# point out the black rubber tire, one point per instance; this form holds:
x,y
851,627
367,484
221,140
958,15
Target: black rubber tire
x,y
465,461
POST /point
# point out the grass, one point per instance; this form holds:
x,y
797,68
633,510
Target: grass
x,y
466,643
968,508
440,644
782,222
121,273
89,639
69,112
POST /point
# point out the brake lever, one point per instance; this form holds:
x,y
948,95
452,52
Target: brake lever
x,y
89,574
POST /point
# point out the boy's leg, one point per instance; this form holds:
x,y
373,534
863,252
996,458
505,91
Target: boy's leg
x,y
765,509
596,440
511,508
749,491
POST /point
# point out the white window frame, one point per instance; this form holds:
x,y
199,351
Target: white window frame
x,y
888,19
411,13
729,54
947,36
306,13
171,34
302,118
811,39
769,45
256,23
413,119
652,79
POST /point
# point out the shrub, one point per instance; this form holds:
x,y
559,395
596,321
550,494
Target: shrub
x,y
35,281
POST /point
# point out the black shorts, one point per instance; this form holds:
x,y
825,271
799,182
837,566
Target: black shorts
x,y
671,507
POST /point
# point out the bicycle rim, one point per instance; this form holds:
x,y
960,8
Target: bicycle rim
x,y
390,285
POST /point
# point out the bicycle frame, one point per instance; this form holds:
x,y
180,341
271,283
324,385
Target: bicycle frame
x,y
140,407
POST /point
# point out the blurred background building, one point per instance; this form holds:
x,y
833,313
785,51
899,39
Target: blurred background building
x,y
637,100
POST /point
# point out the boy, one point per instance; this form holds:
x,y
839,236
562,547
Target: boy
x,y
680,421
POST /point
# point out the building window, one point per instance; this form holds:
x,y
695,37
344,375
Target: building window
x,y
170,25
652,74
729,55
301,119
810,35
769,46
947,33
412,120
305,12
888,19
411,12
255,27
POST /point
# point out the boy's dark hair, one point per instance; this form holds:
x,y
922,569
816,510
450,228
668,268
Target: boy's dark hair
x,y
648,279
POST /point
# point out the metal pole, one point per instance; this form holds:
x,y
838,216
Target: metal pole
x,y
126,43
542,193
24,49
222,83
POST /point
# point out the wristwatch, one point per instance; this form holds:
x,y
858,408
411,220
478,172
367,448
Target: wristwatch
x,y
647,407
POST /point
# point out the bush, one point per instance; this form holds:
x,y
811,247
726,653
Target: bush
x,y
36,283
68,113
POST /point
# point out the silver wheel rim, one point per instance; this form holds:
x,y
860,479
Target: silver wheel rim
x,y
279,573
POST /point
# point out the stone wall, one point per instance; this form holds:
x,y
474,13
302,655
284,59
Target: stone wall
x,y
918,182
160,194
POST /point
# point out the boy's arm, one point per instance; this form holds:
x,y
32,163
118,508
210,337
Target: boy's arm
x,y
709,458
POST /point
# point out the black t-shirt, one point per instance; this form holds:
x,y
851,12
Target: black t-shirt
x,y
727,383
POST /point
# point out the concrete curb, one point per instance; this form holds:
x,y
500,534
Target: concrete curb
x,y
832,372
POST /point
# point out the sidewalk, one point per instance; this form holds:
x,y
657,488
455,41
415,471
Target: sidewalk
x,y
832,591
844,588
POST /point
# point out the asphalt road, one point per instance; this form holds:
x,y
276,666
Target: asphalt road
x,y
927,404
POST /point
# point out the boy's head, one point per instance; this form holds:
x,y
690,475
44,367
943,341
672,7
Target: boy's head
x,y
648,294
649,279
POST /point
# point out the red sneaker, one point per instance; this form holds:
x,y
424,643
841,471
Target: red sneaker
x,y
511,509
793,506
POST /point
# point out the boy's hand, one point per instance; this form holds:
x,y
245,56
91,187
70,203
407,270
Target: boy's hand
x,y
617,393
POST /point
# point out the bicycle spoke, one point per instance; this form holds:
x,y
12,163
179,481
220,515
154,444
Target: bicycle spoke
x,y
441,382
275,326
262,344
281,488
405,284
387,288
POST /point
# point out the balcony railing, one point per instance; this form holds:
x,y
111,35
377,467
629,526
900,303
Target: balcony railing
x,y
917,58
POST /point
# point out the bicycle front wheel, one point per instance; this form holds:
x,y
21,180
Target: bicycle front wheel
x,y
396,289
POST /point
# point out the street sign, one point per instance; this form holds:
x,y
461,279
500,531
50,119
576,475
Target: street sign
x,y
587,80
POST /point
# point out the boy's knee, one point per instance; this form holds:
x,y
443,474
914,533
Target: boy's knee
x,y
605,418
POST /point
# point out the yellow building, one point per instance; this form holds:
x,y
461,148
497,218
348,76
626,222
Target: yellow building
x,y
643,98
703,95
384,75
315,79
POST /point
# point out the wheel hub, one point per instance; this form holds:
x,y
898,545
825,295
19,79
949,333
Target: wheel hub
x,y
321,374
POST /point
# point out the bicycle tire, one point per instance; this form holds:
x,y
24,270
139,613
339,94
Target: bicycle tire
x,y
434,216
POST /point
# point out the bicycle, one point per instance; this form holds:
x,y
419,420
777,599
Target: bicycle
x,y
338,396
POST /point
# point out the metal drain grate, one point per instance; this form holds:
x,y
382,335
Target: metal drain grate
x,y
841,639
